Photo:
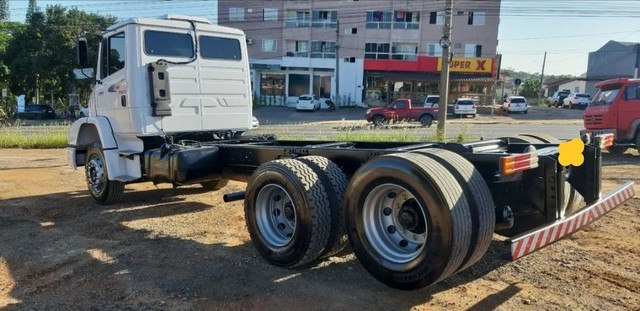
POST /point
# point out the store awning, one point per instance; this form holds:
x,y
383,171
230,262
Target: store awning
x,y
435,77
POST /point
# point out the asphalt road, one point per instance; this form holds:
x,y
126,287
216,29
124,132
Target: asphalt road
x,y
562,123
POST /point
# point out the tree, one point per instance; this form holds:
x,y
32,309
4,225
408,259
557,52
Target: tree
x,y
45,47
4,10
32,9
530,88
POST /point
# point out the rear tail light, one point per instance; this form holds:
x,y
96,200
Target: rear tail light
x,y
518,163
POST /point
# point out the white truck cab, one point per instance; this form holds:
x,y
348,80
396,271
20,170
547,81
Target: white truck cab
x,y
159,78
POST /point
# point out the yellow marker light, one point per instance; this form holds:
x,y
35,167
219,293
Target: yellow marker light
x,y
518,162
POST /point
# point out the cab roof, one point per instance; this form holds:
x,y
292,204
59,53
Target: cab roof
x,y
176,21
616,81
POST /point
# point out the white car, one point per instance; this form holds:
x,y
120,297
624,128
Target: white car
x,y
308,102
577,100
84,112
432,101
255,123
516,104
464,106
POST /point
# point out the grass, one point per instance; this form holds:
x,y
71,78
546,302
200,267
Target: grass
x,y
39,137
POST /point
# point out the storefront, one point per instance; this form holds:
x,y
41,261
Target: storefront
x,y
469,77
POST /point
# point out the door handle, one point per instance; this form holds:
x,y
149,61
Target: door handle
x,y
101,93
123,100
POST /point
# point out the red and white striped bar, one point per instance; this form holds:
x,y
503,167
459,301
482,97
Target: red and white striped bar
x,y
532,241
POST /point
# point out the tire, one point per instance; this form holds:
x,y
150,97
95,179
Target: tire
x,y
433,239
335,181
478,196
294,230
426,120
103,190
617,149
378,120
214,185
525,112
473,115
638,141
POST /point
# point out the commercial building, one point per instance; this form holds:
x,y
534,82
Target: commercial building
x,y
615,59
384,49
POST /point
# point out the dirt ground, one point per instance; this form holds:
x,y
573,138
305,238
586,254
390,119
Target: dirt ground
x,y
184,249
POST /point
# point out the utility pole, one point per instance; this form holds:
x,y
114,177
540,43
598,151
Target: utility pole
x,y
544,61
337,103
445,43
37,89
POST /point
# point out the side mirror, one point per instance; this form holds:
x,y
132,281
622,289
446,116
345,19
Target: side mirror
x,y
82,49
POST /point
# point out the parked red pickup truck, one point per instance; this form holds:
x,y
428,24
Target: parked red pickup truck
x,y
401,110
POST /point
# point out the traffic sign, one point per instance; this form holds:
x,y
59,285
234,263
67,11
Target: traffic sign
x,y
517,82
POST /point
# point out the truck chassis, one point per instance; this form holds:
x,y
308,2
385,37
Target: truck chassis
x,y
414,213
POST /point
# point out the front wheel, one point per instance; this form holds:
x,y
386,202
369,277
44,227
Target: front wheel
x,y
103,190
617,149
378,120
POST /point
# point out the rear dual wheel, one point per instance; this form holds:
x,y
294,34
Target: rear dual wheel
x,y
292,210
410,222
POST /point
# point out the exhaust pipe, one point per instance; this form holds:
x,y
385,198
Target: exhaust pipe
x,y
233,196
504,218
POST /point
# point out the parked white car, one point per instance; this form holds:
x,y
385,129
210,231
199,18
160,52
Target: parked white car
x,y
464,107
308,102
255,123
577,100
516,104
432,101
84,112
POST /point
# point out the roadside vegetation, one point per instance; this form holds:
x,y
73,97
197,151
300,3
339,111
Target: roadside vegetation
x,y
38,137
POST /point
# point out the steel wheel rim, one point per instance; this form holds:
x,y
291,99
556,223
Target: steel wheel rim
x,y
394,223
275,216
95,174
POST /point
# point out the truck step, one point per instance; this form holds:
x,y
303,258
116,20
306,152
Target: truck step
x,y
128,153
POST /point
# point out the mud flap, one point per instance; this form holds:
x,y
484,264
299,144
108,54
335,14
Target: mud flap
x,y
539,238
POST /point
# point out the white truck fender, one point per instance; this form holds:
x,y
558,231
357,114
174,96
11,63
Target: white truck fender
x,y
120,152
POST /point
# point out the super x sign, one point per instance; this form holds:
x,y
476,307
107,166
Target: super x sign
x,y
468,64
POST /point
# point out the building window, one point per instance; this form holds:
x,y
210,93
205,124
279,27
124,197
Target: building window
x,y
404,51
350,31
322,86
299,84
298,48
349,59
376,50
236,14
434,49
406,20
436,18
323,49
472,50
297,19
476,18
269,45
272,84
270,14
379,20
324,19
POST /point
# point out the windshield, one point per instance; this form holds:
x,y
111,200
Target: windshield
x,y
518,100
465,102
583,95
605,97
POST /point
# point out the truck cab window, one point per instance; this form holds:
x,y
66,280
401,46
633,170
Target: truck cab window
x,y
400,105
113,55
633,92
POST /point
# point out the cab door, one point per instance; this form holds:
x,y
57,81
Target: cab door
x,y
110,92
628,108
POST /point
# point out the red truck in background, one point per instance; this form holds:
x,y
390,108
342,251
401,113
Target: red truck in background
x,y
402,110
615,109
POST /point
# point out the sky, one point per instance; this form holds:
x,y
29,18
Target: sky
x,y
566,29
